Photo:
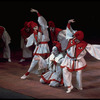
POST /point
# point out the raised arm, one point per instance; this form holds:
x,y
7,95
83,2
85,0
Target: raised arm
x,y
69,30
36,11
69,23
41,20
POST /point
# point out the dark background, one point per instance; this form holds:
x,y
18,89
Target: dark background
x,y
14,13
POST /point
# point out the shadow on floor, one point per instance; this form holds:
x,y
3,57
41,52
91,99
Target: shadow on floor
x,y
8,94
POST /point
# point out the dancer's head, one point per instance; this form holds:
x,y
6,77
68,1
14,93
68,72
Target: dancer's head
x,y
51,26
78,36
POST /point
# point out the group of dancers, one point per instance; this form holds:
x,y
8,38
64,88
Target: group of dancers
x,y
57,52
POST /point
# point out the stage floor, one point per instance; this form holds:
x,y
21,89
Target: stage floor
x,y
10,74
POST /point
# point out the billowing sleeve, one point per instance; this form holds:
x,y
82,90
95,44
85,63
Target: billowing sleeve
x,y
94,50
30,40
69,31
43,23
62,39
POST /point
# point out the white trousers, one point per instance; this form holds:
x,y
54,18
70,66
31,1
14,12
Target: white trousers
x,y
33,64
67,78
34,68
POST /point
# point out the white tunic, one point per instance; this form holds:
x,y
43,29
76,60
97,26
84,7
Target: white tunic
x,y
54,71
42,48
26,52
80,63
7,40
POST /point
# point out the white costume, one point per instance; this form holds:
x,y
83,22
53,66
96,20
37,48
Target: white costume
x,y
72,63
57,34
42,48
26,52
25,33
41,44
7,40
54,73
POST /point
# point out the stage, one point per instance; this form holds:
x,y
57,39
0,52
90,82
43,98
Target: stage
x,y
10,74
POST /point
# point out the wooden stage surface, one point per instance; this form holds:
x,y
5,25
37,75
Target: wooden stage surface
x,y
10,74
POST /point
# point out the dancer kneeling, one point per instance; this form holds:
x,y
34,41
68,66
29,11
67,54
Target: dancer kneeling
x,y
53,75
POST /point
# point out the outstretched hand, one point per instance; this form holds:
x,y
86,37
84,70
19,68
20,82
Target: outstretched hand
x,y
33,10
71,21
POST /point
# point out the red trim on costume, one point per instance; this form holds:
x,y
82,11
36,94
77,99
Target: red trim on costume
x,y
79,47
68,86
43,42
27,73
68,25
50,77
62,66
61,82
54,80
38,14
76,69
44,54
69,56
47,81
35,51
70,43
54,62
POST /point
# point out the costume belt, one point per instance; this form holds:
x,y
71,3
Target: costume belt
x,y
43,42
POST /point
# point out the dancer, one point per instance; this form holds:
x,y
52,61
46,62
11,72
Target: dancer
x,y
53,76
74,59
56,34
6,40
25,33
40,38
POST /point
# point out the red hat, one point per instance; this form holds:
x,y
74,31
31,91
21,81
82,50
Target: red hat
x,y
79,35
58,45
26,24
51,24
32,24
